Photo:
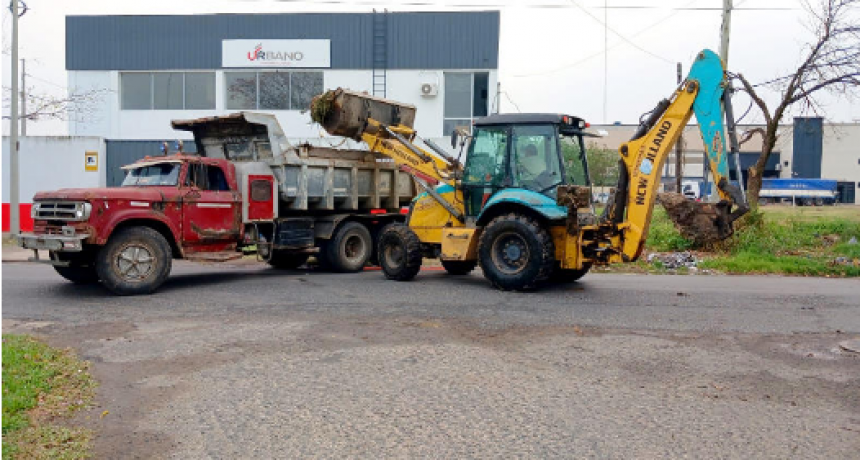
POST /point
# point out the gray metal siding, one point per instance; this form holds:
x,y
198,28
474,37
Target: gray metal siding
x,y
462,40
122,152
808,146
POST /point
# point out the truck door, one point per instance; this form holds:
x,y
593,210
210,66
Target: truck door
x,y
210,210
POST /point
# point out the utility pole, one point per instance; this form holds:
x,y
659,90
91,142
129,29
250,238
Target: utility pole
x,y
23,97
14,201
724,56
679,147
724,32
605,59
727,95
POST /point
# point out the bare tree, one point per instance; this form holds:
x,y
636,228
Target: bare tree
x,y
77,105
830,63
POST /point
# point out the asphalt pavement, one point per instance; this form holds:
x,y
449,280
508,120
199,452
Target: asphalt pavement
x,y
240,361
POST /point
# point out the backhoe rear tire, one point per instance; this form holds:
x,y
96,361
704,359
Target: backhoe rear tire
x,y
459,267
135,260
399,252
516,253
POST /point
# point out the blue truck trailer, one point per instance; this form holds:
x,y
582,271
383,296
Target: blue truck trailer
x,y
802,192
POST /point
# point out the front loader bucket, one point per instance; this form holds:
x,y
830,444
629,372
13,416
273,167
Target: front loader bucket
x,y
345,113
703,223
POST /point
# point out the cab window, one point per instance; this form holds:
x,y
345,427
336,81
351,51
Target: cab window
x,y
535,163
206,177
485,164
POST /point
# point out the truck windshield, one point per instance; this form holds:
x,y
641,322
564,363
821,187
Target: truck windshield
x,y
160,174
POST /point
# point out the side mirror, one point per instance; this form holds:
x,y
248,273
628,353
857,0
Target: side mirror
x,y
455,135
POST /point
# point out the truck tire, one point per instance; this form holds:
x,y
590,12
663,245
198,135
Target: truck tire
x,y
516,253
459,267
135,260
79,274
348,249
399,252
560,275
285,260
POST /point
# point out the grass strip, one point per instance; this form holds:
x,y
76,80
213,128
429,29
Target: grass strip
x,y
41,386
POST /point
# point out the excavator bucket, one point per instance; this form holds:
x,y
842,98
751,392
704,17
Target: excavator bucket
x,y
345,113
702,223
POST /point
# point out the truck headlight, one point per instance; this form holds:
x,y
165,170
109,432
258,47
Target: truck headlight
x,y
82,211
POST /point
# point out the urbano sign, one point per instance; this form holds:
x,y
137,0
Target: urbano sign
x,y
276,53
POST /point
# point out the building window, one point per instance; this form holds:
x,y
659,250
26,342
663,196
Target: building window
x,y
272,90
167,90
466,98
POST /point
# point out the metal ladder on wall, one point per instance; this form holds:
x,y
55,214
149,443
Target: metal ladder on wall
x,y
380,52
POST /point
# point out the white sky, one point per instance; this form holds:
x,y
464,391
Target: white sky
x,y
551,59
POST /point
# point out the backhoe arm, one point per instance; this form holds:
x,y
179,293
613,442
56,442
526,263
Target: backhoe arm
x,y
382,125
644,156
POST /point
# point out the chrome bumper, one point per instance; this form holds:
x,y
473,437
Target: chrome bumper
x,y
56,243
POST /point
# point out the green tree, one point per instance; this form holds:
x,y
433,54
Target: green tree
x,y
602,164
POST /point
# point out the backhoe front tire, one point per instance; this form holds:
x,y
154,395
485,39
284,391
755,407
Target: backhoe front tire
x,y
399,252
135,260
459,267
516,253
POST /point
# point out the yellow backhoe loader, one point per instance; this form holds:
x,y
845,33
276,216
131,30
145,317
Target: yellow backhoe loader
x,y
514,207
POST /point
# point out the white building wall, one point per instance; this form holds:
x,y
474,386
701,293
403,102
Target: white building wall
x,y
53,162
840,158
107,120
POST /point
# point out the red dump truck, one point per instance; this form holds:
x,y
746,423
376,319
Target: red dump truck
x,y
247,190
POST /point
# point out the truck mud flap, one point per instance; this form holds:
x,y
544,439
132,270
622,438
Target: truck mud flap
x,y
295,233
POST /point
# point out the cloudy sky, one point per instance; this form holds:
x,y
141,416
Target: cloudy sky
x,y
555,55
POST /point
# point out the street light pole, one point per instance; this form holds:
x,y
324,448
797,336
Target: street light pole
x,y
14,199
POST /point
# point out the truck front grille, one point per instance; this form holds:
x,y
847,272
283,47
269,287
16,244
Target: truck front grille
x,y
61,210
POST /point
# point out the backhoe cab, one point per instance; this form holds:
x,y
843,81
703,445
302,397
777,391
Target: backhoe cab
x,y
522,155
518,207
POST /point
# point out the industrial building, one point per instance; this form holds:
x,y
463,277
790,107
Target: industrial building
x,y
154,69
807,149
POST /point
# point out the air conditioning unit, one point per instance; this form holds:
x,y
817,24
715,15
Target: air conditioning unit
x,y
429,89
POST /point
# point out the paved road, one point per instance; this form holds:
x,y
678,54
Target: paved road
x,y
241,362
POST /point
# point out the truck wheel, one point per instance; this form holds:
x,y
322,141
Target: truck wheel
x,y
135,260
459,267
515,252
349,248
399,252
286,260
560,275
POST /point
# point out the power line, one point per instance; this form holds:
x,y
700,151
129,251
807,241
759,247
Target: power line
x,y
599,53
46,81
581,8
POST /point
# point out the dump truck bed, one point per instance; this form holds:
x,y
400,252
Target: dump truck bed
x,y
309,177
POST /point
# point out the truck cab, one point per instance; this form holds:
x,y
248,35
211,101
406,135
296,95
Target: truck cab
x,y
174,206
